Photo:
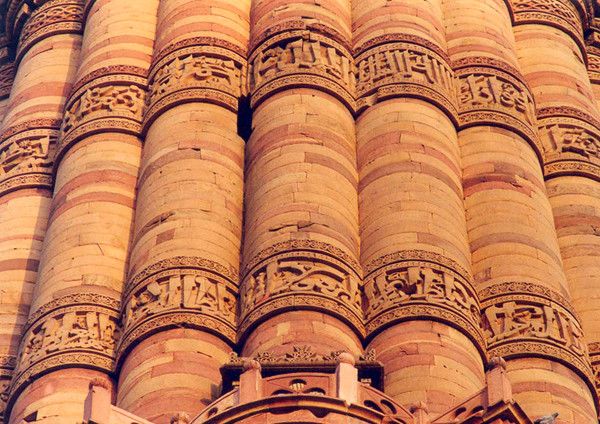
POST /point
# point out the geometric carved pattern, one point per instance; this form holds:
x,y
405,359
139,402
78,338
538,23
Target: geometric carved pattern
x,y
408,289
289,279
301,58
54,17
571,142
491,92
394,65
112,101
526,319
197,69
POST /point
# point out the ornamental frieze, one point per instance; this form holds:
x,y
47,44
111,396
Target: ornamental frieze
x,y
110,102
517,323
26,158
197,69
404,66
594,349
571,143
54,17
490,95
7,76
301,58
300,279
424,289
562,14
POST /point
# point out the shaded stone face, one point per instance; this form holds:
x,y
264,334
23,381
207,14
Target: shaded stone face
x,y
248,211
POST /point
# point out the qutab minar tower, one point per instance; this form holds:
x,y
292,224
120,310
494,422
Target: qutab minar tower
x,y
299,211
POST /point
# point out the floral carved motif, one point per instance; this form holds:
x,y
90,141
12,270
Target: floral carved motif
x,y
54,17
308,279
404,66
301,58
196,71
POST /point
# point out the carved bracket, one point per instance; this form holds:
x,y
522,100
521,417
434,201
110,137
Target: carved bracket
x,y
198,69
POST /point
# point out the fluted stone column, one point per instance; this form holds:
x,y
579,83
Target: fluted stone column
x,y
300,275
422,314
527,314
49,40
180,303
551,52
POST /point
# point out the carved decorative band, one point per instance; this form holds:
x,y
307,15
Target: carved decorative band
x,y
300,279
414,289
113,102
524,319
7,76
593,63
185,293
301,58
492,95
571,143
561,14
594,349
52,18
196,70
400,66
7,365
26,154
74,335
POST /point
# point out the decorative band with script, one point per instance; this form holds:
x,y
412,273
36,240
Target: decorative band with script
x,y
72,335
567,15
571,143
7,76
182,296
111,102
594,349
300,279
408,289
52,18
399,66
301,58
26,156
593,56
197,69
488,94
524,322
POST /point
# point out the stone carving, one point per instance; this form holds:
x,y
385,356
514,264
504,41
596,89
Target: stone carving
x,y
196,71
7,75
302,58
127,100
410,68
69,330
298,354
55,16
175,290
4,390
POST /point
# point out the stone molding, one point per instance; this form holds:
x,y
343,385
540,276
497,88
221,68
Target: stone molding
x,y
291,276
491,92
110,99
571,142
26,155
198,69
301,58
396,65
52,18
406,289
569,16
527,319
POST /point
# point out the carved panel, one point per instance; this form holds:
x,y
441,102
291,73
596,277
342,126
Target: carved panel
x,y
112,102
594,349
593,65
571,146
26,159
410,289
54,17
523,322
488,95
201,69
558,13
4,387
7,76
404,66
300,279
301,58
